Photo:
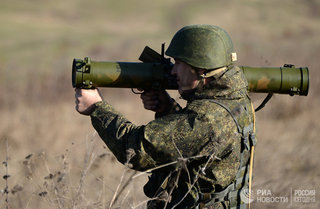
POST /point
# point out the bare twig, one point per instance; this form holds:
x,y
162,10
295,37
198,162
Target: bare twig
x,y
143,202
168,164
124,198
116,192
197,177
89,159
7,175
184,160
178,173
155,168
170,193
130,154
125,185
55,187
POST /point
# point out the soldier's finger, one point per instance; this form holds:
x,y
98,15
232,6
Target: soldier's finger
x,y
76,101
148,97
150,107
152,103
150,93
78,92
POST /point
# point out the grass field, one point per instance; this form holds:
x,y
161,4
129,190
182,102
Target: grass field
x,y
54,157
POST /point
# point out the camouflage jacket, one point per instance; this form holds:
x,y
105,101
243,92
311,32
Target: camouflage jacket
x,y
199,145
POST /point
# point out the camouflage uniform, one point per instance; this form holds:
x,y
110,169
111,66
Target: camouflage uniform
x,y
201,144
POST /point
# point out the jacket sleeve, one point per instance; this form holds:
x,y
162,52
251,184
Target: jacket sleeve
x,y
163,140
122,137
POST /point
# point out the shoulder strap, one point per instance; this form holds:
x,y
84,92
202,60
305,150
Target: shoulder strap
x,y
229,111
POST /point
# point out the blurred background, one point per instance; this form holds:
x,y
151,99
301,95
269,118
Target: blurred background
x,y
55,159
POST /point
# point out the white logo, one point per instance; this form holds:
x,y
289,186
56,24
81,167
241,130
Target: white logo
x,y
245,196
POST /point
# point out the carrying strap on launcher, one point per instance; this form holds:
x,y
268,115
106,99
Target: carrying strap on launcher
x,y
242,183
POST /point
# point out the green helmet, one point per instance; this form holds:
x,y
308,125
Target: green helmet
x,y
202,46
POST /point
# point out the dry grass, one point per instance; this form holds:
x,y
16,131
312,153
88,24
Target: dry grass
x,y
54,158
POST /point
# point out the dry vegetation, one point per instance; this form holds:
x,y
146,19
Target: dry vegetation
x,y
55,159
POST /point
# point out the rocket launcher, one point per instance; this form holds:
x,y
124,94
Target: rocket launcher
x,y
153,73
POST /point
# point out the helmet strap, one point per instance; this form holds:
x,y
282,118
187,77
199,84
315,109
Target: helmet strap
x,y
213,72
203,78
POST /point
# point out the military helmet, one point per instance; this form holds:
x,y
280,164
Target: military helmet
x,y
202,46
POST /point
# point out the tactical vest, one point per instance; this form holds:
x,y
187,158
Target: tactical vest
x,y
240,185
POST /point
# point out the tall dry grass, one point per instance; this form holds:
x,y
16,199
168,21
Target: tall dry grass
x,y
54,158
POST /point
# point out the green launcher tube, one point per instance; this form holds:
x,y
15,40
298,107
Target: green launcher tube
x,y
282,80
91,74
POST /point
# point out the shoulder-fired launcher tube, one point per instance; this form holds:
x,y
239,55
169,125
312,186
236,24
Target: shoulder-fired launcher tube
x,y
281,80
91,74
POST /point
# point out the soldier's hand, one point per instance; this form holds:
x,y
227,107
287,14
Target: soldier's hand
x,y
86,100
157,101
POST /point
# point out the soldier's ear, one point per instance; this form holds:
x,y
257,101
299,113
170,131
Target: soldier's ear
x,y
201,73
205,80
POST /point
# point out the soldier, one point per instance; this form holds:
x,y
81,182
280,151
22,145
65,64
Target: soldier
x,y
199,155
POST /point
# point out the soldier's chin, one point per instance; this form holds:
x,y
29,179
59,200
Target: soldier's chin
x,y
187,94
186,89
182,90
